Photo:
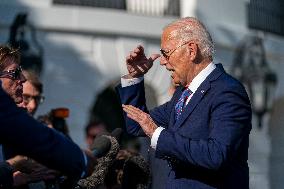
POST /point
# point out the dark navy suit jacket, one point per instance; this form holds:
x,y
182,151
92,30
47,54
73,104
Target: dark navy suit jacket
x,y
208,146
6,176
26,136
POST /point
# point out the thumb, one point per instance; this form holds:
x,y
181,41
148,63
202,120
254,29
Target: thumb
x,y
153,57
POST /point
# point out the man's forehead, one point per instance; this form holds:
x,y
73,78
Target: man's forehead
x,y
29,88
172,33
11,65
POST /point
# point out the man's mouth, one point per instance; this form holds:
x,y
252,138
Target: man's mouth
x,y
19,91
172,74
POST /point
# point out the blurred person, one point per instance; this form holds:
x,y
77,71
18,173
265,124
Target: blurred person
x,y
129,170
92,130
11,75
34,172
6,175
56,119
172,88
35,175
32,92
26,136
28,174
203,131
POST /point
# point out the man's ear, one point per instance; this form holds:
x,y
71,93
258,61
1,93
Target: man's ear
x,y
193,51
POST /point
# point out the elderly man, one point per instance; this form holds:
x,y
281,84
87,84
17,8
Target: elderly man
x,y
26,136
203,131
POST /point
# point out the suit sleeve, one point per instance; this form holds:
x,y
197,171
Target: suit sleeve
x,y
231,124
26,136
135,95
6,175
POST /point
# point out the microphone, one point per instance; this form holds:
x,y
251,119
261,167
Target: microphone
x,y
101,146
102,143
106,156
116,133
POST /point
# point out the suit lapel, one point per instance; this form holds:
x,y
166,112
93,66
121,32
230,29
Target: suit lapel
x,y
195,99
198,95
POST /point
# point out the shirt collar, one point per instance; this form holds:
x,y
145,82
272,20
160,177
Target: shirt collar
x,y
196,82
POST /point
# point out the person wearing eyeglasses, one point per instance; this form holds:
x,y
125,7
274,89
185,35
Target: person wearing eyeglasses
x,y
26,136
203,131
32,92
33,174
12,78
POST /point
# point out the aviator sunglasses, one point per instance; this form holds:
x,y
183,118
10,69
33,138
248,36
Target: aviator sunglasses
x,y
15,74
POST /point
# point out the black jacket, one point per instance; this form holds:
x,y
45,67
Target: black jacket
x,y
6,176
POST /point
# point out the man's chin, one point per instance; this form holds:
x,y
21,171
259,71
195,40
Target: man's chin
x,y
176,83
18,101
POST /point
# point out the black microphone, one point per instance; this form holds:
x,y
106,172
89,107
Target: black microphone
x,y
101,146
116,133
102,143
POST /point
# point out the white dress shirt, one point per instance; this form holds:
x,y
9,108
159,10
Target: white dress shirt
x,y
196,82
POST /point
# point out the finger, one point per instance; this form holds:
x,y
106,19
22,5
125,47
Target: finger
x,y
133,55
128,59
130,68
140,49
127,106
134,117
145,67
136,110
153,57
132,109
130,112
133,113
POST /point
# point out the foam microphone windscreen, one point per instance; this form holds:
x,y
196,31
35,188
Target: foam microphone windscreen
x,y
116,133
101,146
98,176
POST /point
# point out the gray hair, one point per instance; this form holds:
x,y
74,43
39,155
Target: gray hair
x,y
189,28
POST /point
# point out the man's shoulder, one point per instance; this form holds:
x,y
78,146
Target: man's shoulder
x,y
225,80
230,81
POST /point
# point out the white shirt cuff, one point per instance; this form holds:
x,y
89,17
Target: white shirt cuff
x,y
129,82
155,137
86,164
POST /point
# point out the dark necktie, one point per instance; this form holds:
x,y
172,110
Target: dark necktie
x,y
181,102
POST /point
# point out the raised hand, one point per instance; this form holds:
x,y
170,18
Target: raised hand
x,y
144,119
137,63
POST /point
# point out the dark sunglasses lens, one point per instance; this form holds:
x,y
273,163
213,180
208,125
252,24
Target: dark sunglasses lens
x,y
17,73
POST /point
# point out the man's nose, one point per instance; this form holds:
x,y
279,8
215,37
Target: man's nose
x,y
32,104
163,61
23,78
